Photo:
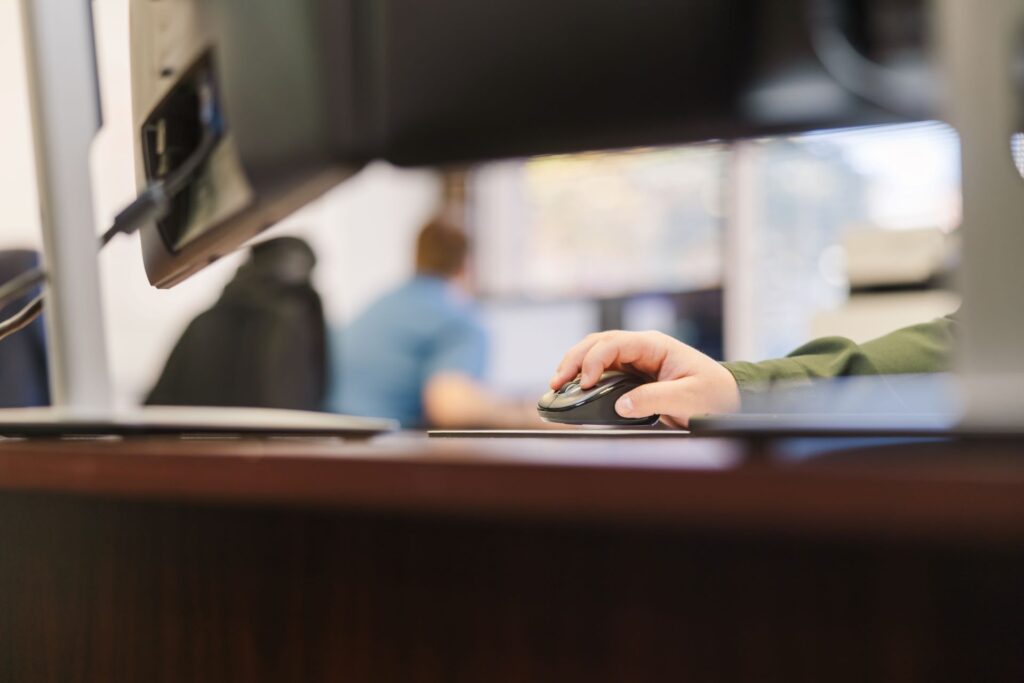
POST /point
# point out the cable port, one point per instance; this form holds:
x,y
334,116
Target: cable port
x,y
187,118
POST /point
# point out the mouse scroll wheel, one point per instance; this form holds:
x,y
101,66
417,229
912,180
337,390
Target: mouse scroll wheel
x,y
572,389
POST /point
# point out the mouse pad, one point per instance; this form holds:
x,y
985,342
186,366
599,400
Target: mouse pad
x,y
557,433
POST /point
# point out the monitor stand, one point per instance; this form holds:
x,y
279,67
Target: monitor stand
x,y
981,56
65,108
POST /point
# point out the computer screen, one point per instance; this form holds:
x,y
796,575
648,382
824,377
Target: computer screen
x,y
527,340
601,224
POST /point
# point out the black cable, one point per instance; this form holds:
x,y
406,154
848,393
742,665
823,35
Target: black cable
x,y
180,177
911,92
22,318
20,285
16,288
151,204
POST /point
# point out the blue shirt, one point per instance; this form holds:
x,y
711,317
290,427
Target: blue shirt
x,y
383,359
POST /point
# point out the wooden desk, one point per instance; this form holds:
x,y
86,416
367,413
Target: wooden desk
x,y
405,559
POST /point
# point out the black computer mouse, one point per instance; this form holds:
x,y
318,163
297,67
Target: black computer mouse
x,y
594,406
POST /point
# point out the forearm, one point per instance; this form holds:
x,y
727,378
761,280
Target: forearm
x,y
456,401
924,348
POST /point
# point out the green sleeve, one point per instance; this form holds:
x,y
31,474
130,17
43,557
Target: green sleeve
x,y
923,348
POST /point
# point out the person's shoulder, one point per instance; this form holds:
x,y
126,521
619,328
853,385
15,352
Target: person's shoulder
x,y
462,307
438,294
397,297
427,298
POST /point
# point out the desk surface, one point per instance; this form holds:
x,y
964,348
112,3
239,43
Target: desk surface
x,y
589,560
955,490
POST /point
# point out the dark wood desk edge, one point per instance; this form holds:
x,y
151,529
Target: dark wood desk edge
x,y
417,479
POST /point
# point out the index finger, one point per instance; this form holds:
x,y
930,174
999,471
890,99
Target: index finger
x,y
615,351
572,361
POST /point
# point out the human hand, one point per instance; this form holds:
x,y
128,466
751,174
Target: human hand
x,y
687,382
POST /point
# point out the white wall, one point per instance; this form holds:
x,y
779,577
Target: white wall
x,y
19,219
362,231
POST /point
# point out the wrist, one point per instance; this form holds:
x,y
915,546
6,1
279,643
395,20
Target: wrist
x,y
731,389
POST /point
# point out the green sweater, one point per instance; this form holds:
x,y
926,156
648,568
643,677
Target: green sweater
x,y
923,348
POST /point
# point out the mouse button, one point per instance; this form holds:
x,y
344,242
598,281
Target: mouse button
x,y
610,378
562,402
547,399
570,388
573,396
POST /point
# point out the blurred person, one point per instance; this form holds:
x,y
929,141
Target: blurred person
x,y
418,353
689,383
261,345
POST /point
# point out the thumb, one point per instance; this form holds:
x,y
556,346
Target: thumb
x,y
661,398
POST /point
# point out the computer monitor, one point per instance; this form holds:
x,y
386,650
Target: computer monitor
x,y
519,359
298,95
600,224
